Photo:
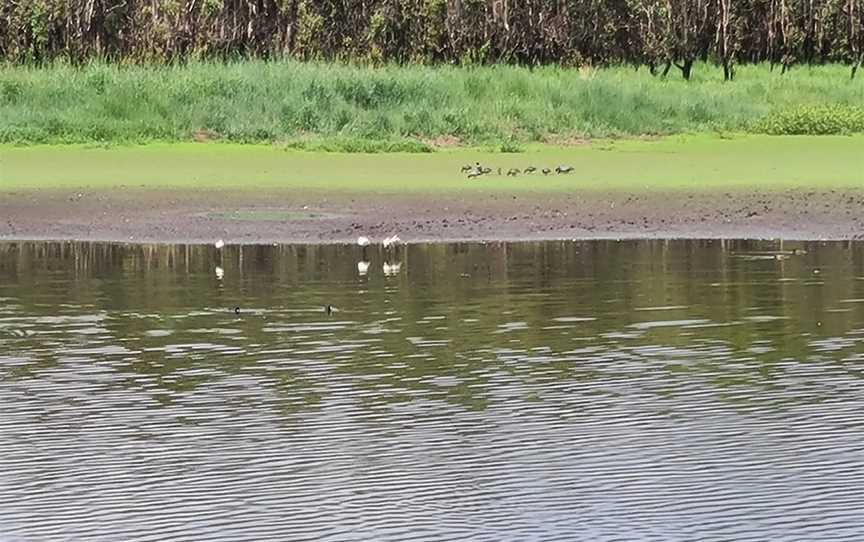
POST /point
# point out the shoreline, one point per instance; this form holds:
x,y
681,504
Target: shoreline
x,y
192,217
695,187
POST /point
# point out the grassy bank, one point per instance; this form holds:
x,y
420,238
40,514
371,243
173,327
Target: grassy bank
x,y
337,107
692,163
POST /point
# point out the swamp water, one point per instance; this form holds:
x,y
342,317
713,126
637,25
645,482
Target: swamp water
x,y
638,391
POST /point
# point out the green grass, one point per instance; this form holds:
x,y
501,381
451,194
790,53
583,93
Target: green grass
x,y
699,162
339,107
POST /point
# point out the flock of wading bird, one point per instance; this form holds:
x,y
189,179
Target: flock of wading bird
x,y
478,170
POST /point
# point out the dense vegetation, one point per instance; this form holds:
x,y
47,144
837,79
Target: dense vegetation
x,y
655,33
344,107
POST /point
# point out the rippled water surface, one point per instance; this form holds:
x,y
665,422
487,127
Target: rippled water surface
x,y
597,391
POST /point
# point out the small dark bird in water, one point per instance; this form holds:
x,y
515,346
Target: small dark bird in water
x,y
546,171
467,168
236,310
563,169
328,309
513,172
530,169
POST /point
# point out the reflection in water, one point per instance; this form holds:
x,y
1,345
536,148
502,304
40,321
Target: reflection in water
x,y
538,391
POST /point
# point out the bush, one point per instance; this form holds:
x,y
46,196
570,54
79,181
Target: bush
x,y
813,120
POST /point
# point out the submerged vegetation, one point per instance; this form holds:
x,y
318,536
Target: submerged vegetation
x,y
334,106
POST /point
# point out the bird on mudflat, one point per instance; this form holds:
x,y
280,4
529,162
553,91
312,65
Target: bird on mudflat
x,y
563,169
546,171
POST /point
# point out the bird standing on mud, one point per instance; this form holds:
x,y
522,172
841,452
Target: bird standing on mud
x,y
563,169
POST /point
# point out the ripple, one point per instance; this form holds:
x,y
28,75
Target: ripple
x,y
520,403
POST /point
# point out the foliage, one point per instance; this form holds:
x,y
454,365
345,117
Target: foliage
x,y
391,107
813,120
531,32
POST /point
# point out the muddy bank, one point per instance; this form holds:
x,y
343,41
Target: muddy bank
x,y
292,216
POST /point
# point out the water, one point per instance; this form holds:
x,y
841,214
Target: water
x,y
542,391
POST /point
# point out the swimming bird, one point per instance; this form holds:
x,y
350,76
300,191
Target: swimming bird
x,y
219,273
563,169
391,241
236,310
513,172
546,171
530,169
219,244
363,241
328,309
467,168
362,268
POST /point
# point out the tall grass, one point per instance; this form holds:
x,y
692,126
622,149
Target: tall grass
x,y
402,107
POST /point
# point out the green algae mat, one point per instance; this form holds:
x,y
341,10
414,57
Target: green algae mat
x,y
693,162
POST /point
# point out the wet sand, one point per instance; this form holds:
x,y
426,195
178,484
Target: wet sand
x,y
305,216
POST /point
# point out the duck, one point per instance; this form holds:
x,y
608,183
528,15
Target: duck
x,y
563,169
237,310
328,309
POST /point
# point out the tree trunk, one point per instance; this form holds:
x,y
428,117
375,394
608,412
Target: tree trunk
x,y
666,68
686,68
728,70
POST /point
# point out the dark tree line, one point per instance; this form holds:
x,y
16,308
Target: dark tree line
x,y
659,34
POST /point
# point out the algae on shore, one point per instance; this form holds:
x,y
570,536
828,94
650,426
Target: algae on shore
x,y
681,162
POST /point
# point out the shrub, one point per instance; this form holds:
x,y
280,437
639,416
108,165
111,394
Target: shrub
x,y
813,120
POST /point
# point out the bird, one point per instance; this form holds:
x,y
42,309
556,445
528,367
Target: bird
x,y
474,174
219,244
563,169
236,310
363,241
499,171
513,172
219,272
391,241
362,268
530,169
467,168
328,309
486,170
546,171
